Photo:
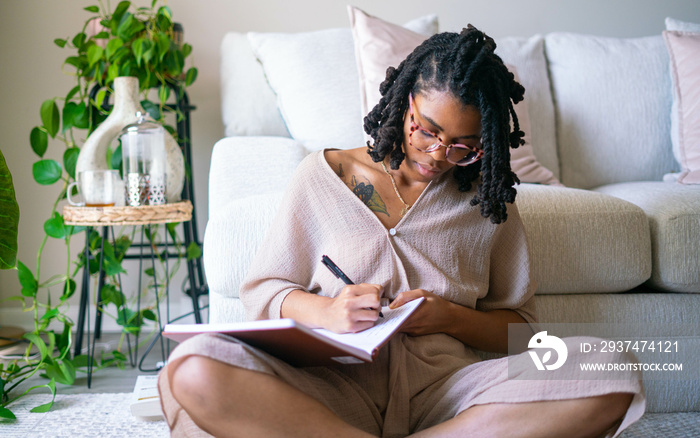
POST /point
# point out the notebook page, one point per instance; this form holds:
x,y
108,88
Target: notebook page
x,y
371,338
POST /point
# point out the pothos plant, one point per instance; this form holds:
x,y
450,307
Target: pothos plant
x,y
124,41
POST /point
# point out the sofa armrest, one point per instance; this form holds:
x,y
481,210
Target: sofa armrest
x,y
247,166
232,238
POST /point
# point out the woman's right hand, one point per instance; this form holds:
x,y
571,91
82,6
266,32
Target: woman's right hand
x,y
356,308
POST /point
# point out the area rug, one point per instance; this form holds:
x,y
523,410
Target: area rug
x,y
79,415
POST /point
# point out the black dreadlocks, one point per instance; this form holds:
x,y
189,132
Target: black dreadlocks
x,y
465,65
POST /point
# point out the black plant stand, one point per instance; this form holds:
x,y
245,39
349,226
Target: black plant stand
x,y
197,286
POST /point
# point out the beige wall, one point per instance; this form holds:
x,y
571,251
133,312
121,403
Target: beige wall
x,y
30,70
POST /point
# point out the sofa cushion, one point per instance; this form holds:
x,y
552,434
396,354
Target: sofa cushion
x,y
584,242
684,51
674,217
678,312
602,87
315,79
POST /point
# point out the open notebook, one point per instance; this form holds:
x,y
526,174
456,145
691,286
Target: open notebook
x,y
300,345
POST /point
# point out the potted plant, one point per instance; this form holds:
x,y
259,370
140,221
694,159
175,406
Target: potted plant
x,y
134,41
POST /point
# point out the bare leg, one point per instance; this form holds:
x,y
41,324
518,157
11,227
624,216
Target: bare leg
x,y
228,401
586,417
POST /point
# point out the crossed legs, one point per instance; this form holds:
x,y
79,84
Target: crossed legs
x,y
228,401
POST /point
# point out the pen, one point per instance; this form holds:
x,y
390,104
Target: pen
x,y
338,272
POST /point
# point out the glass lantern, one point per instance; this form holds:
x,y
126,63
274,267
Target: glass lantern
x,y
143,162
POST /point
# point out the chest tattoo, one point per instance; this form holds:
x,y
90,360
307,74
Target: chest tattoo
x,y
369,196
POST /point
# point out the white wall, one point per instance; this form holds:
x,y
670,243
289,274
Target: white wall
x,y
30,69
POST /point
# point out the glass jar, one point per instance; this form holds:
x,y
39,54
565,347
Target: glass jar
x,y
143,162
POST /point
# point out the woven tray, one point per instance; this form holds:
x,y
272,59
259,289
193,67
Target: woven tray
x,y
144,215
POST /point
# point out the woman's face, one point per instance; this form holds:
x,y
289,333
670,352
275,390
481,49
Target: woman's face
x,y
437,114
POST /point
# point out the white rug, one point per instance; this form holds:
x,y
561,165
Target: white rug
x,y
79,415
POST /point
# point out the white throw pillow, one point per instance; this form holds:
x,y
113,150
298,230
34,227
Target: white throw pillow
x,y
315,79
380,44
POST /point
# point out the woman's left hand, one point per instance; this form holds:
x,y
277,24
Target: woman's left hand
x,y
431,317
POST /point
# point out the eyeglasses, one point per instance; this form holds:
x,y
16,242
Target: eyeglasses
x,y
426,141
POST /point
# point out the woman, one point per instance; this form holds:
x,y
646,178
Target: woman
x,y
403,217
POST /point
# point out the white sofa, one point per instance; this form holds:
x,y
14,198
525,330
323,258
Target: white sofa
x,y
615,244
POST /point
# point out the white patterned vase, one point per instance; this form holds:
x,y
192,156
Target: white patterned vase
x,y
126,106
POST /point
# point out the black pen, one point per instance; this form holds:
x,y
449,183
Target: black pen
x,y
339,273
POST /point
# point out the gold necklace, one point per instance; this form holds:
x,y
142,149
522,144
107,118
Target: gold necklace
x,y
405,208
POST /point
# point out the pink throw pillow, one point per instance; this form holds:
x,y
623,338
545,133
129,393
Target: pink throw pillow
x,y
380,44
684,51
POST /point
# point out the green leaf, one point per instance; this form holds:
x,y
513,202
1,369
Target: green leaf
x,y
75,61
71,111
193,251
60,42
63,342
55,227
165,12
26,280
190,76
163,44
9,217
70,158
128,26
111,265
149,272
81,361
152,109
6,413
50,116
112,72
127,318
171,226
40,344
148,314
94,54
174,63
50,314
121,245
119,12
100,98
110,294
72,92
112,47
46,172
79,40
68,289
186,50
62,371
93,9
139,47
115,161
46,407
39,141
163,93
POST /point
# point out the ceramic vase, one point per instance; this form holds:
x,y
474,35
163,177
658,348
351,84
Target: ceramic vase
x,y
126,105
